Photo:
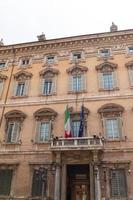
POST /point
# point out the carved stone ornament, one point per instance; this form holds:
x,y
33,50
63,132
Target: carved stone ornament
x,y
77,69
49,72
15,114
22,75
106,66
111,109
129,64
3,77
47,113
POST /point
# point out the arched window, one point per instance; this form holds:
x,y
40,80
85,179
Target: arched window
x,y
111,115
77,79
48,81
14,120
21,84
44,123
129,66
2,82
75,118
107,76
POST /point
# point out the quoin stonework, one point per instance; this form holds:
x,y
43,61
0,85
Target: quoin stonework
x,y
89,80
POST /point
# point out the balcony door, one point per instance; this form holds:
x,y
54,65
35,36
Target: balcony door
x,y
78,187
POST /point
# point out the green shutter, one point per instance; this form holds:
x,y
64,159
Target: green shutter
x,y
115,79
26,87
38,127
100,80
5,182
70,83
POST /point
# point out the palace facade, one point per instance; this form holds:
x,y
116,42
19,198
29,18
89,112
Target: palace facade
x,y
38,80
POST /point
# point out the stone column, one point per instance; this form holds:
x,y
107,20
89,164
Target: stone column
x,y
57,178
63,181
91,181
97,184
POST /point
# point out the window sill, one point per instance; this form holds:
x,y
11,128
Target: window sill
x,y
108,90
45,95
81,60
21,67
12,143
115,140
19,97
77,92
39,142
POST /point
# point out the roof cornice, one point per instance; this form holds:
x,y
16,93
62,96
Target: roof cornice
x,y
89,39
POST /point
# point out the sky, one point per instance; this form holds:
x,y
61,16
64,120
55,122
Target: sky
x,y
22,20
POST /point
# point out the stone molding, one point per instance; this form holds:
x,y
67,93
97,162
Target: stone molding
x,y
82,40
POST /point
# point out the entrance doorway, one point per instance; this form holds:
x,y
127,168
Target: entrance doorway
x,y
78,182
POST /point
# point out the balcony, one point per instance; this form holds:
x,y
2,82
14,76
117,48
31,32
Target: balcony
x,y
79,143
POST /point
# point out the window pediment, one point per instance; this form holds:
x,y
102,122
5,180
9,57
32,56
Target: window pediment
x,y
72,112
76,69
45,113
3,77
15,114
106,66
22,75
129,64
109,108
49,73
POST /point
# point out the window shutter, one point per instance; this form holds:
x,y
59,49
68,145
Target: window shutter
x,y
54,81
70,83
36,185
115,79
83,55
55,59
5,182
42,82
100,80
14,89
119,121
1,87
130,73
50,129
83,82
104,121
26,87
38,127
15,133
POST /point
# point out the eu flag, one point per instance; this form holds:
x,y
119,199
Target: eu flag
x,y
81,127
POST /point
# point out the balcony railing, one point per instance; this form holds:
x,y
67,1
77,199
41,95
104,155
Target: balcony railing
x,y
76,143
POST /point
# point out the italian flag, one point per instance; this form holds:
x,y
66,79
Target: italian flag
x,y
67,124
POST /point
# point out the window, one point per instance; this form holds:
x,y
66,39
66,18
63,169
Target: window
x,y
107,76
39,183
47,87
113,128
105,52
130,50
118,183
75,128
50,59
2,65
2,82
20,89
129,66
108,81
44,122
112,121
25,62
13,132
14,120
48,81
5,181
44,131
77,79
76,56
21,84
